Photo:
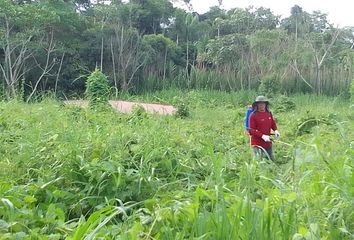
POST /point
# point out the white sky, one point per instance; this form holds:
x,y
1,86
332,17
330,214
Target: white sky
x,y
339,12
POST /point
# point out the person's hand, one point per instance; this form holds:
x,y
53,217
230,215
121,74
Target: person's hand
x,y
277,134
266,138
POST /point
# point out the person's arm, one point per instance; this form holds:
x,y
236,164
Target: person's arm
x,y
275,128
253,127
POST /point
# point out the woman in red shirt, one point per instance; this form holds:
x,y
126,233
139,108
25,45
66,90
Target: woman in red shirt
x,y
261,123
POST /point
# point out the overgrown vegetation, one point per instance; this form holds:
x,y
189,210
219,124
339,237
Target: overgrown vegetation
x,y
97,88
79,173
282,103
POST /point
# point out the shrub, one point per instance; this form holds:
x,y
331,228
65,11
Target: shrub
x,y
182,110
182,105
97,88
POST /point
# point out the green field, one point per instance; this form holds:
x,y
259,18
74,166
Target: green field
x,y
72,173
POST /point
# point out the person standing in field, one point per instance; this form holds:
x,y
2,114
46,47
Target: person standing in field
x,y
261,123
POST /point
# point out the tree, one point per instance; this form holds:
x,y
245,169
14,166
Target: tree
x,y
322,44
55,44
298,23
190,22
161,51
127,55
245,21
58,39
33,34
227,50
267,52
153,15
17,33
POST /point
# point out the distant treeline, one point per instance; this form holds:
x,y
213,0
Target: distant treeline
x,y
147,45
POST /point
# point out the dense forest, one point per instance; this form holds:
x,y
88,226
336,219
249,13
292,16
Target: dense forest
x,y
147,45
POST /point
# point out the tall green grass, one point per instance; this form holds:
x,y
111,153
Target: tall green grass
x,y
67,172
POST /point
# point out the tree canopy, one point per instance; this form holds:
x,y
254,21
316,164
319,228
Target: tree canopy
x,y
144,45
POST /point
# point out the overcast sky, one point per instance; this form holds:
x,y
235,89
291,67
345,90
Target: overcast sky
x,y
339,12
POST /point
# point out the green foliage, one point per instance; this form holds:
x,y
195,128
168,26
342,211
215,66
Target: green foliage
x,y
182,105
159,43
182,110
352,91
282,103
162,53
246,21
269,85
80,173
97,88
150,45
138,114
306,124
151,14
227,49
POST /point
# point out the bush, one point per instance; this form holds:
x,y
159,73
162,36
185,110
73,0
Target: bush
x,y
182,106
97,88
182,110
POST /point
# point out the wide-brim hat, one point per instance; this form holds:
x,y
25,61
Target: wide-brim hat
x,y
260,99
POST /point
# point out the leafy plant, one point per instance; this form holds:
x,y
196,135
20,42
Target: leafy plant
x,y
97,88
182,105
182,110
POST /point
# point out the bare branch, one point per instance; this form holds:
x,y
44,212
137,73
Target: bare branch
x,y
302,77
336,34
47,68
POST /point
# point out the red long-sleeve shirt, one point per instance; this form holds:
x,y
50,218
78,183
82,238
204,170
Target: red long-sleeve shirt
x,y
261,123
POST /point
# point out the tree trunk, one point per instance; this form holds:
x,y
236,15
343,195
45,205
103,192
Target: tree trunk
x,y
114,69
164,66
46,69
101,65
15,56
58,73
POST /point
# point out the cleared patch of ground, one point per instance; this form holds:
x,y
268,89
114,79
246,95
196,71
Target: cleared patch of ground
x,y
127,107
